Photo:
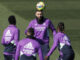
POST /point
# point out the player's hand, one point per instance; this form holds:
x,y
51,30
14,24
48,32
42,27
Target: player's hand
x,y
46,57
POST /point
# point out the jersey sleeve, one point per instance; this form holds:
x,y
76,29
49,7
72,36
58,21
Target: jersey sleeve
x,y
55,44
51,26
29,26
40,53
17,52
16,36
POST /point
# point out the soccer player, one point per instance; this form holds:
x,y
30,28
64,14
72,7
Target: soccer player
x,y
28,48
61,40
41,26
10,39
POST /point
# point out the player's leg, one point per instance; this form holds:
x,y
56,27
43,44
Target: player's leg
x,y
24,57
7,57
60,58
45,50
13,57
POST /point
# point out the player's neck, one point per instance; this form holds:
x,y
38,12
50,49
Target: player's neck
x,y
40,21
61,31
29,36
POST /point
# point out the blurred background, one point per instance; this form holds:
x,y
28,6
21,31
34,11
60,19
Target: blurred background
x,y
67,11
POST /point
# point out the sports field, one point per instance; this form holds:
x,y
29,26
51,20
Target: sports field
x,y
67,11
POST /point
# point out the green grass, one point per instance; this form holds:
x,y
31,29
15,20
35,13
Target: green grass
x,y
67,11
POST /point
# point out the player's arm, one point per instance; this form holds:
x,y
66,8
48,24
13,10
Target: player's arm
x,y
51,26
3,41
40,53
16,36
53,47
29,26
17,52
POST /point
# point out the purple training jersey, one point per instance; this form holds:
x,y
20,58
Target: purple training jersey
x,y
60,40
28,47
42,30
10,35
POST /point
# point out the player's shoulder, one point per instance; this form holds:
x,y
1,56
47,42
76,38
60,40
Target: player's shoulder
x,y
58,34
33,20
16,29
48,20
66,37
6,29
36,41
37,44
13,27
22,41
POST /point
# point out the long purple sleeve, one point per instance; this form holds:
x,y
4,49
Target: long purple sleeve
x,y
16,36
17,52
53,46
51,26
40,54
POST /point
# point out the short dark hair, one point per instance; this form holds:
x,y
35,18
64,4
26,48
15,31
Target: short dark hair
x,y
12,20
61,26
31,31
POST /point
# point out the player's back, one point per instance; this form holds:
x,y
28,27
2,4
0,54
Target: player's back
x,y
10,39
64,44
9,33
29,47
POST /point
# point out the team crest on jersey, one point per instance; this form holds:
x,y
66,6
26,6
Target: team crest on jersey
x,y
8,36
42,24
28,48
8,33
40,28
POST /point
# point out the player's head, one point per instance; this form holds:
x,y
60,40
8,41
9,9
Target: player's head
x,y
61,27
30,32
12,20
39,14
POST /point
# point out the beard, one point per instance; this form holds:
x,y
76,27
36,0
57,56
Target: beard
x,y
40,20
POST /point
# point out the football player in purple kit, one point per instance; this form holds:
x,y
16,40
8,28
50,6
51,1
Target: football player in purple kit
x,y
61,40
41,26
10,39
28,48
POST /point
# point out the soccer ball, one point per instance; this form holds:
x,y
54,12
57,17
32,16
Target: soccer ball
x,y
40,5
